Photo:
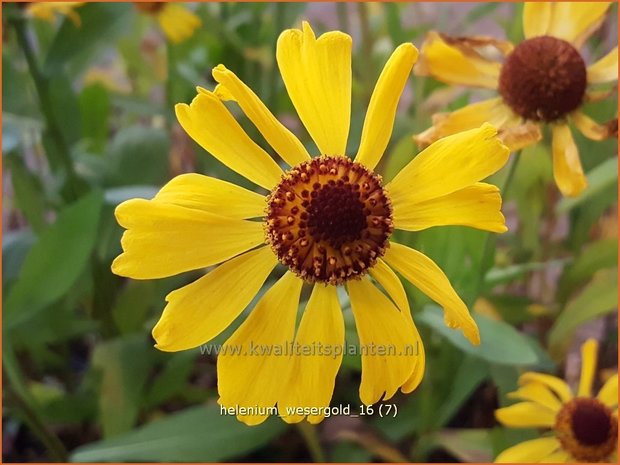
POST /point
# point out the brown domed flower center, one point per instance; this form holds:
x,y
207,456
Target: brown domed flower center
x,y
544,78
329,220
587,429
149,7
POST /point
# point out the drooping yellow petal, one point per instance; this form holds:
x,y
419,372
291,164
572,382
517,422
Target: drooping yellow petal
x,y
212,195
559,456
609,392
450,164
211,125
526,415
576,21
381,112
554,383
567,169
423,273
605,69
253,363
177,22
520,136
537,392
529,451
198,312
477,206
163,240
386,342
275,133
589,352
492,111
591,129
319,347
317,76
536,18
385,276
443,59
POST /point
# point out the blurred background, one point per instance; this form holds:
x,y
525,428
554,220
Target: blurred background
x,y
87,122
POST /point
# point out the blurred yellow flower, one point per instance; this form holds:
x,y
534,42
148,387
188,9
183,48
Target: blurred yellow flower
x,y
177,22
47,11
544,79
584,428
328,219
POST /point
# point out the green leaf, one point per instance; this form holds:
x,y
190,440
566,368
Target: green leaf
x,y
197,434
132,304
15,247
77,46
95,111
173,378
497,276
139,156
467,445
117,195
601,177
56,261
500,342
598,298
29,194
125,364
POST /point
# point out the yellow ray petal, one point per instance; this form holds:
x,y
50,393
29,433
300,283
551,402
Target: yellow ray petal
x,y
177,22
576,21
520,136
385,276
275,133
609,392
477,206
559,456
386,344
492,111
252,364
591,129
423,273
536,19
589,352
379,120
317,76
443,59
312,373
198,312
211,125
537,392
525,415
557,385
567,169
529,451
605,69
163,240
212,195
448,165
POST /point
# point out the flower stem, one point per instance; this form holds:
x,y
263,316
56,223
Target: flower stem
x,y
311,438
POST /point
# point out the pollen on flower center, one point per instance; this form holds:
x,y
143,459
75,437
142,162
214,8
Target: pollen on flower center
x,y
543,79
587,429
329,220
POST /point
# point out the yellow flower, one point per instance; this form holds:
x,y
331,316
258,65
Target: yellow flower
x,y
544,79
585,428
47,11
328,219
177,22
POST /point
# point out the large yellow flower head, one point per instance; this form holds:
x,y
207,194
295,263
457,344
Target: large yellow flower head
x,y
584,428
177,22
544,79
327,219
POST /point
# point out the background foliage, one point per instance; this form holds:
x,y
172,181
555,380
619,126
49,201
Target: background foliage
x,y
87,123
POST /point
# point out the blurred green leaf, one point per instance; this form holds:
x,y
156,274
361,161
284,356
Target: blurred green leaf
x,y
467,445
15,247
600,178
56,261
117,195
197,434
138,156
65,106
125,364
173,378
132,304
76,46
95,107
500,342
504,275
598,298
29,193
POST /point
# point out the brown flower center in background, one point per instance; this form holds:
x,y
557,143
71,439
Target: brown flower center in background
x,y
329,220
149,7
587,429
544,78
